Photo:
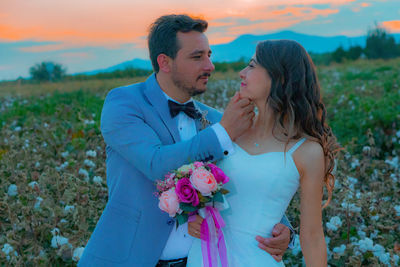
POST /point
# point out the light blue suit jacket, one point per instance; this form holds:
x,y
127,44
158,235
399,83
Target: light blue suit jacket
x,y
143,144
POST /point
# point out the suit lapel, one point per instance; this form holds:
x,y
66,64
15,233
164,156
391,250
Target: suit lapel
x,y
199,126
157,99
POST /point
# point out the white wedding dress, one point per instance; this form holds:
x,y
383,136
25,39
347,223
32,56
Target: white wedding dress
x,y
261,188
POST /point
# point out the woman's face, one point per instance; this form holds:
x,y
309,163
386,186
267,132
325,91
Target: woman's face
x,y
256,83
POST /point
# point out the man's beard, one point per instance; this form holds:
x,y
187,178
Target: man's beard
x,y
184,86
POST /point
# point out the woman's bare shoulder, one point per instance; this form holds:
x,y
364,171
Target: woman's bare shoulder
x,y
309,156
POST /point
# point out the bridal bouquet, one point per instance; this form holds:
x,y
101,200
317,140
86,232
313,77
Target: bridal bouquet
x,y
192,188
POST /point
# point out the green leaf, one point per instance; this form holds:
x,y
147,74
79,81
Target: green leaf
x,y
224,191
368,255
203,198
187,207
218,197
181,219
344,235
353,231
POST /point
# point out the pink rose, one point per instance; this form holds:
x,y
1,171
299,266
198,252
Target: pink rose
x,y
169,202
186,193
219,175
204,181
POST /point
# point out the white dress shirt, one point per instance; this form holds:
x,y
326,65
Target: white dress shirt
x,y
179,241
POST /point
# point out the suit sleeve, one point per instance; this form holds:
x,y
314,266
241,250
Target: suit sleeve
x,y
125,131
286,222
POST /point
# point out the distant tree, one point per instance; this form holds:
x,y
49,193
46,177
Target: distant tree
x,y
221,66
235,65
321,58
47,71
339,54
354,52
380,44
240,64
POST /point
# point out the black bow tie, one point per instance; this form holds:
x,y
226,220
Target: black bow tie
x,y
188,108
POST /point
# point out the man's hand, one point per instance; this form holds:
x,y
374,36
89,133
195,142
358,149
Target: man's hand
x,y
194,227
278,243
238,116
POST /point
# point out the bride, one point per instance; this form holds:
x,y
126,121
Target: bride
x,y
288,146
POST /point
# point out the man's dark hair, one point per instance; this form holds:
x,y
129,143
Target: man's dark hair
x,y
162,37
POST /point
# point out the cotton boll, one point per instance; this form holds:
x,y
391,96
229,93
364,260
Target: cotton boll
x,y
384,258
334,223
33,184
77,253
374,234
355,163
12,190
339,250
394,162
97,180
361,234
57,241
69,208
38,202
84,173
296,247
378,250
89,163
397,209
375,218
351,207
8,249
91,153
396,259
55,231
366,245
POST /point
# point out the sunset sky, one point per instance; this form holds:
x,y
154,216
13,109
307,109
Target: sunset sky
x,y
91,34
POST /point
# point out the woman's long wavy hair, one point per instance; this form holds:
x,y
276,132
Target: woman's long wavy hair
x,y
295,99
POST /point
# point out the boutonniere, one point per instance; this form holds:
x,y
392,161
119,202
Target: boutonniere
x,y
204,122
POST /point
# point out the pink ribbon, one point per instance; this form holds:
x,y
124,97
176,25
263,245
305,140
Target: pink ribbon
x,y
212,236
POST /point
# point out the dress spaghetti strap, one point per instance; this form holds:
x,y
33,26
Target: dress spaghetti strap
x,y
296,146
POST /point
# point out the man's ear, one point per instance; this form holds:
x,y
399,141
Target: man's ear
x,y
164,62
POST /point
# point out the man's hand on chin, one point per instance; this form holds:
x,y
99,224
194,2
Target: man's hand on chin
x,y
278,243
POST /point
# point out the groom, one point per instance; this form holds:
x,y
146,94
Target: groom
x,y
151,128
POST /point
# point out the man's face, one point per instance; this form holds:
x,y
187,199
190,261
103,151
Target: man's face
x,y
192,66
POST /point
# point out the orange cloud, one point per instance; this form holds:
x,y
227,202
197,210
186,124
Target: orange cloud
x,y
72,36
218,38
277,19
304,11
45,48
361,5
392,25
13,34
110,23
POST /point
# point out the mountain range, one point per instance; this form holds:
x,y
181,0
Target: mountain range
x,y
244,47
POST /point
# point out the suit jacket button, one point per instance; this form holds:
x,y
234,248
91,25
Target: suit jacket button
x,y
170,222
226,152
